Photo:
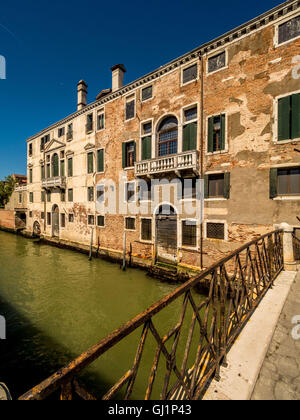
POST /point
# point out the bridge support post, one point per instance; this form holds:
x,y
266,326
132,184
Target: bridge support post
x,y
288,249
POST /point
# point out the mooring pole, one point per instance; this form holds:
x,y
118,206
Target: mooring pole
x,y
91,246
124,252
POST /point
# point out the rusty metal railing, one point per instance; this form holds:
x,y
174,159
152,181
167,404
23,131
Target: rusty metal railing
x,y
296,246
237,285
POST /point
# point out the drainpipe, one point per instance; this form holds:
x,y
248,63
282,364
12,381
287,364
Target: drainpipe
x,y
201,151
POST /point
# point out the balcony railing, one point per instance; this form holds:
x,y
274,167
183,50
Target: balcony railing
x,y
21,188
55,182
180,161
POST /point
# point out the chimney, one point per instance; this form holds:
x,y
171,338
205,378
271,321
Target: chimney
x,y
81,95
117,76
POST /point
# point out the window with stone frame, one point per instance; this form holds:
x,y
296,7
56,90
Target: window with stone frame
x,y
216,133
100,221
147,93
128,154
30,149
189,233
129,192
48,219
130,107
215,230
289,30
63,220
70,195
146,229
90,162
190,73
217,62
289,117
71,218
91,220
61,132
90,193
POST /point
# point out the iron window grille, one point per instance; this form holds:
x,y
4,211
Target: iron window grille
x,y
215,231
189,233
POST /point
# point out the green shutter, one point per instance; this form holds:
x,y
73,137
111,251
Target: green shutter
x,y
273,183
189,137
284,108
296,116
62,168
134,156
90,163
206,192
210,146
223,131
227,185
146,148
100,160
70,167
124,157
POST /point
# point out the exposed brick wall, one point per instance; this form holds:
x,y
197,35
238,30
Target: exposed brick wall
x,y
7,219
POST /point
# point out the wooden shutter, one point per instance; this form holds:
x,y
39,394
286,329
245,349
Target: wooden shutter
x,y
146,148
100,160
189,137
284,107
210,146
223,131
206,186
273,182
296,116
124,156
227,185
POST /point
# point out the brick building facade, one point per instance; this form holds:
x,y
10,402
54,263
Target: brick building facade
x,y
226,114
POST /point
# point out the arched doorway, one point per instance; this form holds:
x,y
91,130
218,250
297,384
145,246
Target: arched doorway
x,y
166,234
55,221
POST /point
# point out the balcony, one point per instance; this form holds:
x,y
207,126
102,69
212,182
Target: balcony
x,y
21,188
175,163
56,182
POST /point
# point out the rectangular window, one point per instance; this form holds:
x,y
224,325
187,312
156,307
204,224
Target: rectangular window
x,y
70,195
100,160
100,221
189,74
31,197
30,149
91,220
43,196
190,130
216,133
90,162
147,93
30,176
61,132
63,220
217,62
62,168
70,167
42,172
71,218
146,229
48,219
129,192
288,181
30,214
189,233
63,196
44,141
215,231
216,186
144,190
70,132
49,196
100,120
289,117
129,153
48,170
146,141
100,193
42,215
289,30
20,198
90,193
130,108
129,223
89,123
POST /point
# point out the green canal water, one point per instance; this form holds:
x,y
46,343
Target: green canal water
x,y
57,304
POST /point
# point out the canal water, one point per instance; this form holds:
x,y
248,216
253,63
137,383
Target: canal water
x,y
57,304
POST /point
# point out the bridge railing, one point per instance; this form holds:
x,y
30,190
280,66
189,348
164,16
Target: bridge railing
x,y
237,284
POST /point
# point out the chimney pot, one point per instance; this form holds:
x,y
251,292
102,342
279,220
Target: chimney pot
x,y
81,95
118,72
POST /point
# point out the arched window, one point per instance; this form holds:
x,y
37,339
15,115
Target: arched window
x,y
168,137
55,170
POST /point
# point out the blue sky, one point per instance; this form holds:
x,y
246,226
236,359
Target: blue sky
x,y
50,45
